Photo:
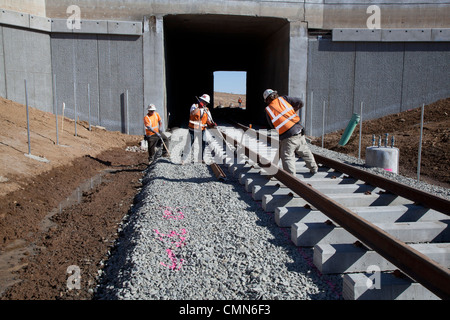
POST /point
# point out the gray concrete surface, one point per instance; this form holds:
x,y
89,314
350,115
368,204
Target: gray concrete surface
x,y
154,87
271,202
121,69
312,233
286,216
391,35
383,157
2,66
389,287
387,77
347,258
327,14
426,66
111,65
26,56
331,72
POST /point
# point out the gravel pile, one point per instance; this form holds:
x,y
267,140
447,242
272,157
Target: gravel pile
x,y
190,236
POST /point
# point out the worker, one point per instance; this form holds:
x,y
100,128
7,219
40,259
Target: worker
x,y
240,102
154,133
199,119
282,115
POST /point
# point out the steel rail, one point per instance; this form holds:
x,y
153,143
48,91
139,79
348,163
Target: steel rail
x,y
422,269
426,199
418,196
220,175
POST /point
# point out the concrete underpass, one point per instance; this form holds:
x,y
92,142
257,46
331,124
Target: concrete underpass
x,y
166,52
198,45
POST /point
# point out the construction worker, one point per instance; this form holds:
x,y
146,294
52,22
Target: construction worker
x,y
199,119
282,115
154,132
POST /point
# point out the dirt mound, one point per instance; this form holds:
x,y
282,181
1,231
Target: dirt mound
x,y
405,127
36,248
16,169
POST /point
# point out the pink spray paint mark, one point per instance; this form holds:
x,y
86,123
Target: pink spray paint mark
x,y
180,242
174,261
173,213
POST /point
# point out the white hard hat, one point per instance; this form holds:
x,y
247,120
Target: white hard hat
x,y
205,98
267,93
151,107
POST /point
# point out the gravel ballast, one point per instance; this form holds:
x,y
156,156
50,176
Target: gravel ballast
x,y
190,236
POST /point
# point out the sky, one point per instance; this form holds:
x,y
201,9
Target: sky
x,y
230,81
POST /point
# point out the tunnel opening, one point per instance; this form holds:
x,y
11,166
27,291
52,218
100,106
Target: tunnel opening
x,y
230,91
196,46
229,88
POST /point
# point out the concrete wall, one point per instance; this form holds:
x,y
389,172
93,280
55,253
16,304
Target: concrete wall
x,y
298,66
330,80
154,66
330,14
426,70
321,14
2,66
26,56
111,65
35,7
135,9
387,77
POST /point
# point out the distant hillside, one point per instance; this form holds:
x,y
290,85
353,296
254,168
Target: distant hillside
x,y
226,99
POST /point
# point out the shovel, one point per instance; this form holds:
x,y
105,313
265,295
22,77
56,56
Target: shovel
x,y
168,152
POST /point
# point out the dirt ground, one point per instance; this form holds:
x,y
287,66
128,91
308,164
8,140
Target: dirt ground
x,y
228,100
405,127
36,248
39,240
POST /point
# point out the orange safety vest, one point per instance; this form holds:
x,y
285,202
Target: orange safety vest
x,y
282,115
152,122
198,120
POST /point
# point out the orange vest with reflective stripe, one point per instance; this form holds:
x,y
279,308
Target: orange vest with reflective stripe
x,y
152,122
282,115
198,120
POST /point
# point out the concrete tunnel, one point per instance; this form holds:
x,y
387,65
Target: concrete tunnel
x,y
198,45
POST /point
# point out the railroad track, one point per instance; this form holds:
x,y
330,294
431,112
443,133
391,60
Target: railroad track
x,y
390,241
